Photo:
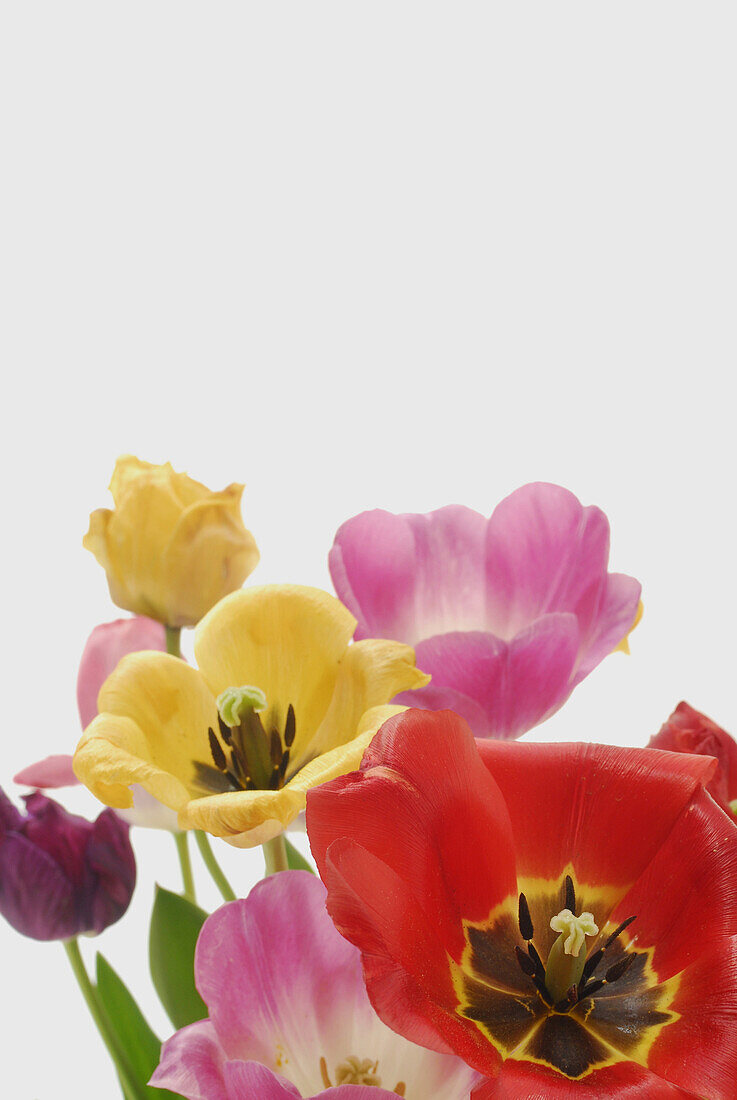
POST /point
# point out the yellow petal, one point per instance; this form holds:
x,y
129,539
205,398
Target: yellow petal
x,y
208,531
248,818
155,711
286,640
371,673
624,645
171,548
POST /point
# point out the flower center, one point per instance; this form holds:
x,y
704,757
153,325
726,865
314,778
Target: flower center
x,y
245,755
559,1006
568,976
357,1071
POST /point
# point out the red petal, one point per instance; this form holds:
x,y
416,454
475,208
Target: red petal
x,y
603,808
686,900
687,730
424,804
699,1050
624,1081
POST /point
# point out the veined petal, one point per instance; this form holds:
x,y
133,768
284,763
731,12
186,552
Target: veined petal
x,y
248,818
192,1064
286,640
545,552
624,1081
371,673
155,711
516,684
619,614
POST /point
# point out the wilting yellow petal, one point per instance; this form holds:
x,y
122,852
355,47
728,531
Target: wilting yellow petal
x,y
171,548
155,711
624,645
371,673
248,818
287,640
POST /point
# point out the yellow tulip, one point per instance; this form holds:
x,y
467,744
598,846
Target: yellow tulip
x,y
171,548
280,702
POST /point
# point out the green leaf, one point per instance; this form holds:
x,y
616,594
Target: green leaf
x,y
175,926
296,860
139,1042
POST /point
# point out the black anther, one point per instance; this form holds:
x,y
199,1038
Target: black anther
x,y
527,965
526,928
619,968
290,727
217,752
570,895
618,931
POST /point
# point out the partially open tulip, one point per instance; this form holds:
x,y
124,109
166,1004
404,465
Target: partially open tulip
x,y
61,875
171,548
507,614
562,917
289,1016
280,702
687,730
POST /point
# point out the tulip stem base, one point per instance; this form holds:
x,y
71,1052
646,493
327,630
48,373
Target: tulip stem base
x,y
173,635
203,843
129,1083
182,842
275,855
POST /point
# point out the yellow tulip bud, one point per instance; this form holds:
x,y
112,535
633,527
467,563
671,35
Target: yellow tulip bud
x,y
171,548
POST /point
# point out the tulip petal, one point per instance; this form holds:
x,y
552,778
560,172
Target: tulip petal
x,y
286,640
516,684
613,807
545,552
248,818
616,619
251,1079
192,1064
106,646
49,773
36,897
698,860
370,672
625,1081
155,711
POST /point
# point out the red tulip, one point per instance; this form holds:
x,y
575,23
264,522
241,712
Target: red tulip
x,y
445,862
687,730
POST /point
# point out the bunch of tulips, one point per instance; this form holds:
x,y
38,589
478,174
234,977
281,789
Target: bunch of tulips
x,y
484,918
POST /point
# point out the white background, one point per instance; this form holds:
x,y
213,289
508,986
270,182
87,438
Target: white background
x,y
357,255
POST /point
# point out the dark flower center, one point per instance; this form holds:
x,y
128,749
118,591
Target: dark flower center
x,y
247,757
613,1011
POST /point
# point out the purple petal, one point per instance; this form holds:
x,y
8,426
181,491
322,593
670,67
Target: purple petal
x,y
246,1080
36,897
49,773
515,685
616,616
411,576
106,645
544,553
273,965
372,565
192,1064
111,861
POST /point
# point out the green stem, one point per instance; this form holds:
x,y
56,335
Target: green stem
x,y
173,635
128,1079
275,854
182,842
203,843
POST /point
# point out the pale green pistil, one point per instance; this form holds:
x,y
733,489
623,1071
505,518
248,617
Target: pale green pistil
x,y
236,702
567,956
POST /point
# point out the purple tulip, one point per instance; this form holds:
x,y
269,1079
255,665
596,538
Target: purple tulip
x,y
61,875
507,614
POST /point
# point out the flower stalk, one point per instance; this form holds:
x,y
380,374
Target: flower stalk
x,y
132,1089
216,872
185,862
275,855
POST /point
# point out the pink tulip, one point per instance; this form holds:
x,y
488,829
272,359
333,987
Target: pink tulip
x,y
507,614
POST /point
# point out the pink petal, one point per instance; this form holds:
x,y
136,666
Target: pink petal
x,y
266,973
544,553
252,1081
515,685
410,576
106,645
615,618
192,1064
52,772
